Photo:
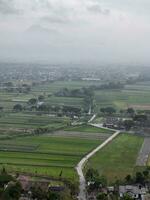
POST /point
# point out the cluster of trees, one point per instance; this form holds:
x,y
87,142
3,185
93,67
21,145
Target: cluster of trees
x,y
142,177
108,86
128,124
111,110
97,183
137,120
39,194
38,104
18,107
86,93
140,118
70,190
42,130
108,110
60,110
65,92
45,107
32,103
71,111
10,188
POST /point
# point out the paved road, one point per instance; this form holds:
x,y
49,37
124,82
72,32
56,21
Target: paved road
x,y
81,164
144,153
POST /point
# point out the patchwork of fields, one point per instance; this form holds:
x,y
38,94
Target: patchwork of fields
x,y
45,154
9,99
52,153
132,95
20,124
123,98
30,121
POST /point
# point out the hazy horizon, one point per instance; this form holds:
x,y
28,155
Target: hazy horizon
x,y
75,31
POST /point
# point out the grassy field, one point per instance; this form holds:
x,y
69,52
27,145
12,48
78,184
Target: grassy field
x,y
44,154
87,129
118,158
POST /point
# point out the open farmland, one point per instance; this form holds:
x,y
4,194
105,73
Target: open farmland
x,y
117,159
21,120
57,85
9,99
136,96
45,155
62,150
19,124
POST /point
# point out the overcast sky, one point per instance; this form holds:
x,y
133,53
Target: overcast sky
x,y
75,30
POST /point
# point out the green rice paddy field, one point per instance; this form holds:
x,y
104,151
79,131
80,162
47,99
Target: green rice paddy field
x,y
22,120
45,155
50,155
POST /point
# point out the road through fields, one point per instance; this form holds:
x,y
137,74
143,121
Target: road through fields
x,y
81,164
144,153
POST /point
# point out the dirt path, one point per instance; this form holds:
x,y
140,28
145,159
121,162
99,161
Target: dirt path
x,y
81,164
144,153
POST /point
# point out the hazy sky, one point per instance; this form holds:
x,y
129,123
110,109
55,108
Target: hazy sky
x,y
75,30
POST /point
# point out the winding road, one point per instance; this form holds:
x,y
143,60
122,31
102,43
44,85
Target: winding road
x,y
81,164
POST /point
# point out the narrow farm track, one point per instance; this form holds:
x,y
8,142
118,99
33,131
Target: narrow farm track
x,y
144,153
92,118
81,164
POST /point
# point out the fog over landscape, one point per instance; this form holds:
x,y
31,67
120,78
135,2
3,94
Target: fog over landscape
x,y
74,100
95,31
